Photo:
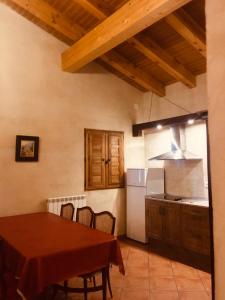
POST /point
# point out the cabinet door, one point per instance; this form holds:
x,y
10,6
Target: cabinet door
x,y
171,224
114,160
154,220
95,151
195,229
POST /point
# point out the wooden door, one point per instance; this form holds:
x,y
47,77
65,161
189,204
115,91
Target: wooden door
x,y
171,224
95,153
114,160
154,220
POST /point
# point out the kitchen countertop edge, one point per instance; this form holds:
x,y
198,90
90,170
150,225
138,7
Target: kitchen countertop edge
x,y
200,202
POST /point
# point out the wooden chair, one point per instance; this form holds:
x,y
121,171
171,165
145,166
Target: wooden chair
x,y
67,211
105,221
85,216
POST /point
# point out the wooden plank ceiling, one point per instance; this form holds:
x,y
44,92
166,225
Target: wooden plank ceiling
x,y
150,44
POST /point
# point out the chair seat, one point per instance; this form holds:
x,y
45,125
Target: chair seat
x,y
72,286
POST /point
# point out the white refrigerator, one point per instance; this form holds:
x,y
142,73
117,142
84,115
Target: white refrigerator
x,y
141,182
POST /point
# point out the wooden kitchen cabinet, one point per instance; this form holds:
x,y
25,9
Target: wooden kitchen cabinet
x,y
163,221
186,226
154,220
195,229
171,222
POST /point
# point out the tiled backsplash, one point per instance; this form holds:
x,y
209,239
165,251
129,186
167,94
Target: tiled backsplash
x,y
184,177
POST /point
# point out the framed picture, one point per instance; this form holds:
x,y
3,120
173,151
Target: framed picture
x,y
27,148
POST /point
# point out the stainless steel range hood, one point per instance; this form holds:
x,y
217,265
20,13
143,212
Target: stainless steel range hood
x,y
178,146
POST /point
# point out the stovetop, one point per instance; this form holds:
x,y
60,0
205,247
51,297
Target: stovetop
x,y
167,197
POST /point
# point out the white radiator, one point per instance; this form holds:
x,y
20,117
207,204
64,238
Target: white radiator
x,y
54,204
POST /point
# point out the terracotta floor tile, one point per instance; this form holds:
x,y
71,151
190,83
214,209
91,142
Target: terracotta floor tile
x,y
74,297
97,296
117,280
137,262
210,295
155,259
137,272
138,251
207,283
138,255
193,296
203,274
114,270
164,296
134,294
136,282
162,284
181,270
92,296
116,294
161,270
125,251
187,284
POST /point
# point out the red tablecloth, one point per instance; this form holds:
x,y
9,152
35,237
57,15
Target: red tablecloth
x,y
42,249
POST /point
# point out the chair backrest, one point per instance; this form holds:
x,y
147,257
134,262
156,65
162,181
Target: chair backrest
x,y
85,216
104,221
67,211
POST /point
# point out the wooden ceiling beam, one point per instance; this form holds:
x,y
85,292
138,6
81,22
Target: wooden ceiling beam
x,y
182,23
162,58
130,19
92,9
142,78
149,48
48,15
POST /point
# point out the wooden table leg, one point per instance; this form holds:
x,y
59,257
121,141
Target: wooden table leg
x,y
104,283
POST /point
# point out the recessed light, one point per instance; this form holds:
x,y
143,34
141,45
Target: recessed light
x,y
159,126
191,121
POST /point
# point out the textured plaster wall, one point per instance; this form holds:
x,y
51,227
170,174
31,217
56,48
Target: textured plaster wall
x,y
37,98
215,19
179,100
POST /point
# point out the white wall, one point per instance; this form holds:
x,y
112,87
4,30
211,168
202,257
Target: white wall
x,y
38,99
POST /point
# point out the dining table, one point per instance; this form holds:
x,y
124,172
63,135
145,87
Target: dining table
x,y
41,249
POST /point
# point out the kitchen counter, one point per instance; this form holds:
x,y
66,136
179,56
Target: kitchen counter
x,y
196,201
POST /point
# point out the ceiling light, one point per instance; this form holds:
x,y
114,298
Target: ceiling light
x,y
191,121
159,126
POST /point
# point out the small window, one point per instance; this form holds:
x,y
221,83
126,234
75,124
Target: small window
x,y
104,159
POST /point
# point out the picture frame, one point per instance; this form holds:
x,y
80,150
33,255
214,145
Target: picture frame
x,y
27,148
